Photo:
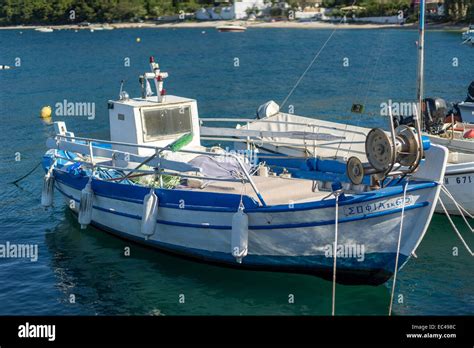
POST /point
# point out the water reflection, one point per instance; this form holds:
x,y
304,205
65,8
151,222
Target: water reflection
x,y
91,265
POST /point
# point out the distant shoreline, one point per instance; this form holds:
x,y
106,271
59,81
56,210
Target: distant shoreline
x,y
248,24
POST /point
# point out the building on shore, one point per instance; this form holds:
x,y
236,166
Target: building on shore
x,y
433,7
312,9
240,9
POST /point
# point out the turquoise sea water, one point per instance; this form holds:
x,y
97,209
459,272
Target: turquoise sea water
x,y
87,67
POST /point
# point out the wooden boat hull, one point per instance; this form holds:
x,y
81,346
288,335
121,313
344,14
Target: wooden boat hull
x,y
287,238
459,181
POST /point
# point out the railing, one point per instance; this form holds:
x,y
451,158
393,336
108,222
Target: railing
x,y
291,123
72,144
258,137
177,168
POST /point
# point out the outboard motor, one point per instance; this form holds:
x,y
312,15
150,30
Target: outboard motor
x,y
435,111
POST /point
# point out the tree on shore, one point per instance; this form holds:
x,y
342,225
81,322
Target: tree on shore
x,y
59,11
458,10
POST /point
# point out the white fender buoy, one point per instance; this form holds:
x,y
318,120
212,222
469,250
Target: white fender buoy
x,y
240,235
48,190
85,206
268,109
150,214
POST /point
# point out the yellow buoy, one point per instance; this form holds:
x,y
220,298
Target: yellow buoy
x,y
138,39
46,112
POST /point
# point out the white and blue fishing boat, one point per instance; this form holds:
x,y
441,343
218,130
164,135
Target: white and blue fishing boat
x,y
155,183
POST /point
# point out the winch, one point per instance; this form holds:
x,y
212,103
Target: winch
x,y
384,152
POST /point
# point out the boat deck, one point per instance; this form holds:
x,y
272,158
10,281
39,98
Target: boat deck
x,y
274,190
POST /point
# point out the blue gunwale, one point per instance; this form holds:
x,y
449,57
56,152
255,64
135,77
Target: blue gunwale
x,y
220,202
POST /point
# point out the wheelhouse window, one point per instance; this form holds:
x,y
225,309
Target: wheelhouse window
x,y
166,123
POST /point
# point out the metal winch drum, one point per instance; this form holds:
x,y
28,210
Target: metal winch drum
x,y
383,152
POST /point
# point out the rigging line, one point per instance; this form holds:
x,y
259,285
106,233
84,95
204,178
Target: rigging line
x,y
398,248
369,73
458,206
454,227
312,62
375,49
379,50
26,175
308,68
382,41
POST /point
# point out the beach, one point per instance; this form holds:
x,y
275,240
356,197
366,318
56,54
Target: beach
x,y
248,24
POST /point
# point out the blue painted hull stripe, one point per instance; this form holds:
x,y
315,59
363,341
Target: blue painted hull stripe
x,y
262,227
363,197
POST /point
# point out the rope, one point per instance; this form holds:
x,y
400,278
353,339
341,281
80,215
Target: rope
x,y
308,68
336,194
459,207
398,248
454,227
312,62
26,175
371,78
242,193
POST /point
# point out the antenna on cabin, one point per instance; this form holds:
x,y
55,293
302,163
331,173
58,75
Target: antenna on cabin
x,y
123,95
158,78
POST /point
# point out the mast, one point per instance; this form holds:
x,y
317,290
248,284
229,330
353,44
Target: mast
x,y
421,55
421,69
